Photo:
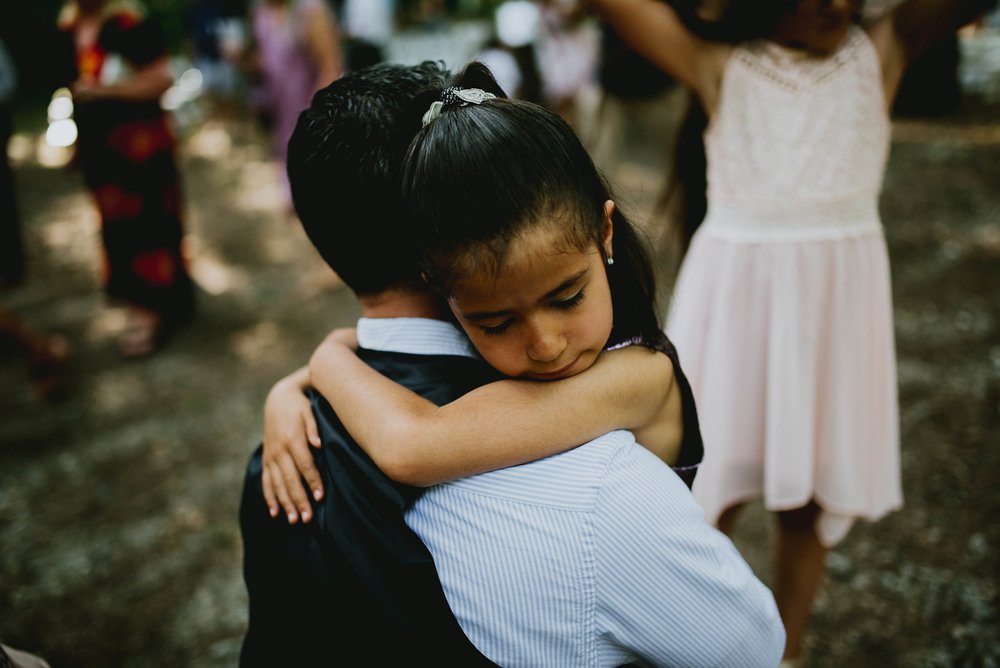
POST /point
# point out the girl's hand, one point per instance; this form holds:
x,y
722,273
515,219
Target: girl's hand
x,y
289,425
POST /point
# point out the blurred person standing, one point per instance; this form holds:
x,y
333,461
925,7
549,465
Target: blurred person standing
x,y
211,26
46,355
509,52
568,48
125,150
297,46
11,244
368,26
634,93
783,301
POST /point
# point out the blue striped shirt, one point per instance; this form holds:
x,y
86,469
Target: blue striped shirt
x,y
595,557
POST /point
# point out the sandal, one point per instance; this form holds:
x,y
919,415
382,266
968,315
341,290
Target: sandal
x,y
143,335
46,364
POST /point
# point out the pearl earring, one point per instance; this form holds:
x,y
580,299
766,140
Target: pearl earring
x,y
611,261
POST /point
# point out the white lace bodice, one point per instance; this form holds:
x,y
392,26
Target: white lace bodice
x,y
798,144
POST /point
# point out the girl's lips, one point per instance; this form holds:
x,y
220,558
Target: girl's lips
x,y
558,373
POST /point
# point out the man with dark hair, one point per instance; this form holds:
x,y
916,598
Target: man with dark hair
x,y
320,590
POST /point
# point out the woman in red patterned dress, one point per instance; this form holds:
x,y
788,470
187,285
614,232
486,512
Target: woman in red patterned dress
x,y
125,151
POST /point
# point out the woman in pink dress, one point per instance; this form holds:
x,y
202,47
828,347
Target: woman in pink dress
x,y
297,53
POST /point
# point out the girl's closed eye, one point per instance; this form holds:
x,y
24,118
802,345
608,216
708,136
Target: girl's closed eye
x,y
571,302
497,330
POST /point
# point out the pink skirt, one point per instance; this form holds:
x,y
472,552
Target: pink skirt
x,y
788,344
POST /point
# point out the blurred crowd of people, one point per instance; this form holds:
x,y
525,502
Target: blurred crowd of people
x,y
264,59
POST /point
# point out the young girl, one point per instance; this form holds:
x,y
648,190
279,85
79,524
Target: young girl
x,y
543,273
782,307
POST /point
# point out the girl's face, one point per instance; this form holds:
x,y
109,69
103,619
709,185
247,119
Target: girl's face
x,y
817,26
547,313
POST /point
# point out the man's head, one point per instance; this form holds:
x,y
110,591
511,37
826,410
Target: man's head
x,y
343,165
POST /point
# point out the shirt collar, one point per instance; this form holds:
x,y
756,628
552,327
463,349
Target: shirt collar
x,y
416,336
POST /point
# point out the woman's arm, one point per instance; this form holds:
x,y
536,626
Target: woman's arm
x,y
501,424
913,27
146,83
653,29
323,41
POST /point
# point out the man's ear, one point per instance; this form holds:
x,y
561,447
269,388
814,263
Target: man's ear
x,y
608,231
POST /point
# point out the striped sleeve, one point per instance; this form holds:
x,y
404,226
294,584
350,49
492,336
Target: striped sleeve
x,y
671,590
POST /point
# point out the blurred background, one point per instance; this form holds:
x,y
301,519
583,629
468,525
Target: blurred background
x,y
120,474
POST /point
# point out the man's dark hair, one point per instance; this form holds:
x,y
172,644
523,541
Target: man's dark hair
x,y
343,165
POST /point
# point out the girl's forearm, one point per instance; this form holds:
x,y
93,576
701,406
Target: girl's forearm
x,y
375,410
498,425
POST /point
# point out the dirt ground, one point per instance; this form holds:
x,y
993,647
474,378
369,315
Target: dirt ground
x,y
119,543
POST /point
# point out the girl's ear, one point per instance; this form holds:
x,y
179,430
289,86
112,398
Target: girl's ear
x,y
608,231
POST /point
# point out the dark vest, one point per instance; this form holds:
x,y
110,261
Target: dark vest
x,y
320,591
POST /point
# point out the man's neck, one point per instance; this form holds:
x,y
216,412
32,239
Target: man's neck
x,y
403,303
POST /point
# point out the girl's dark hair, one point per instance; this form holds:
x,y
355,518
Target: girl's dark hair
x,y
479,175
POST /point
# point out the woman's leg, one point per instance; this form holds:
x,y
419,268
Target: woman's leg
x,y
799,570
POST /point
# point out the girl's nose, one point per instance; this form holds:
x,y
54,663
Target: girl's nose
x,y
546,343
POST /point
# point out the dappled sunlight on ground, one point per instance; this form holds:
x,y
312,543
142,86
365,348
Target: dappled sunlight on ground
x,y
216,277
72,234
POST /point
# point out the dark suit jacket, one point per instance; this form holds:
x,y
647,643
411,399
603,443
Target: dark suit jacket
x,y
320,592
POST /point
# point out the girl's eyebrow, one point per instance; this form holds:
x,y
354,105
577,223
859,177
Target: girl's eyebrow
x,y
569,282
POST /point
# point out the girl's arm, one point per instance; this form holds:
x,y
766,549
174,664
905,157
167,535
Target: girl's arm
x,y
501,424
913,27
653,29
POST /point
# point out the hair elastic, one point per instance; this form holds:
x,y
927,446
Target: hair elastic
x,y
454,95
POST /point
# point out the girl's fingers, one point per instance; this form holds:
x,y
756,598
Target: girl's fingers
x,y
312,431
277,477
307,467
269,496
293,486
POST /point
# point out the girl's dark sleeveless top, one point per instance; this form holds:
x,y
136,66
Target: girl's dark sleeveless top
x,y
692,450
